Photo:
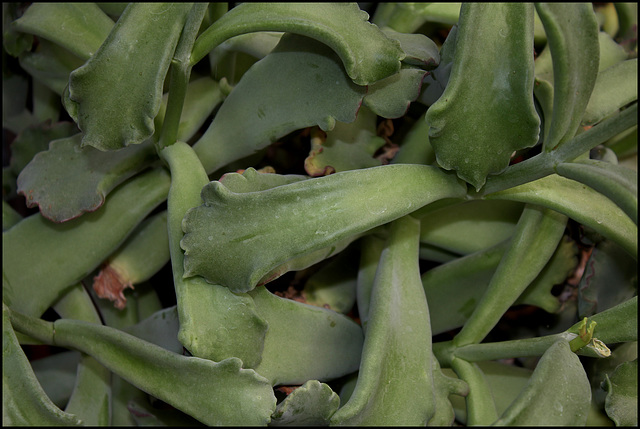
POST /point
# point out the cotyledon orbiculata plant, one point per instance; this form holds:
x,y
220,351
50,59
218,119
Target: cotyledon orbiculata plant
x,y
515,130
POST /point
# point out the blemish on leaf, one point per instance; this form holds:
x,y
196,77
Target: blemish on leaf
x,y
110,284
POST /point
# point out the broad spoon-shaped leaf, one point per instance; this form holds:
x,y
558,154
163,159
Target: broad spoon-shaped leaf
x,y
235,239
486,111
117,93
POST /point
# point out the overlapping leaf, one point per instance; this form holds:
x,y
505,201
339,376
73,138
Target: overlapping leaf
x,y
299,218
68,180
486,111
368,55
117,93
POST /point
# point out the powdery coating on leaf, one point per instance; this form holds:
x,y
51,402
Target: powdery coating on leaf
x,y
110,284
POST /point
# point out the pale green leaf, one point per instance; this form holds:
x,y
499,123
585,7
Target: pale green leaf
x,y
622,400
311,404
300,218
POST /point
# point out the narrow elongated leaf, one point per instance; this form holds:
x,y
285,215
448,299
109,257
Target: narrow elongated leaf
x,y
580,203
368,55
207,312
68,180
300,83
40,259
536,238
299,218
234,396
395,381
486,111
305,342
117,93
557,394
79,27
24,403
618,183
572,35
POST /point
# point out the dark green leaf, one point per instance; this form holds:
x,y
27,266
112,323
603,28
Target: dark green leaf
x,y
622,399
117,93
487,111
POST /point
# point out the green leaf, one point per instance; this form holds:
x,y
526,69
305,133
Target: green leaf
x,y
117,93
305,342
311,404
334,285
299,218
395,381
572,35
536,238
24,403
615,325
622,400
391,97
79,27
234,396
28,143
580,203
68,180
616,182
557,394
346,147
301,83
615,87
368,55
207,312
40,258
475,125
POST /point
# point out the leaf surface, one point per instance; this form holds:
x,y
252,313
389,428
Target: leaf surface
x,y
116,95
486,111
234,229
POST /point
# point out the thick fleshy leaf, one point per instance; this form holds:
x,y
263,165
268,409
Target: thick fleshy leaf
x,y
234,396
615,87
207,312
419,50
395,381
618,183
572,35
41,259
535,240
305,342
28,143
79,27
334,285
117,93
311,404
368,55
68,180
300,218
622,398
301,83
24,403
580,203
557,394
475,125
347,147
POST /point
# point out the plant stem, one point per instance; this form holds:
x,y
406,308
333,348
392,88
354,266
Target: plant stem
x,y
544,163
180,73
